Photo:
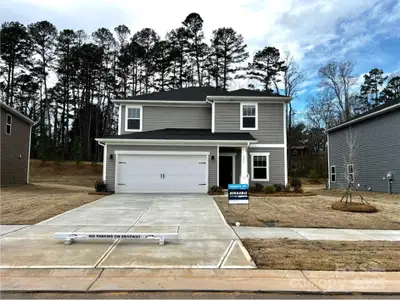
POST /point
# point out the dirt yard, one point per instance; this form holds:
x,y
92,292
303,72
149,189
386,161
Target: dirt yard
x,y
283,254
312,211
33,203
66,173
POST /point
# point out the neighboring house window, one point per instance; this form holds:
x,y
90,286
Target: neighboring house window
x,y
260,166
333,173
8,124
248,116
133,118
350,173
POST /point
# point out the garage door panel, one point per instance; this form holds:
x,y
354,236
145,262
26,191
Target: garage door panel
x,y
142,173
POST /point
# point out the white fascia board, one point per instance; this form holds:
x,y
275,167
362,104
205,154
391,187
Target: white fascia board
x,y
265,99
139,102
161,152
364,117
267,146
173,142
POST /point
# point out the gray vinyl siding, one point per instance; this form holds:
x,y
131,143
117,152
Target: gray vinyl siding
x,y
270,121
276,165
377,152
161,117
14,150
110,167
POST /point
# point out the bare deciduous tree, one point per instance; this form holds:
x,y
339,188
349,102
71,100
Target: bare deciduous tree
x,y
293,78
350,170
336,78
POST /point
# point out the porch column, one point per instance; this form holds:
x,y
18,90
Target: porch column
x,y
244,176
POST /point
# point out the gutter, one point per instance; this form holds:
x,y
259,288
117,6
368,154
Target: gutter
x,y
254,98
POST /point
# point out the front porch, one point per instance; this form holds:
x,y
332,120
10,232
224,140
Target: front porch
x,y
232,166
247,165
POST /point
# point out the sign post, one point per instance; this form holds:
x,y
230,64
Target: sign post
x,y
238,194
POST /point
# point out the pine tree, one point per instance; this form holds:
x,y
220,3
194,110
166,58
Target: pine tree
x,y
194,26
228,50
370,90
16,51
266,66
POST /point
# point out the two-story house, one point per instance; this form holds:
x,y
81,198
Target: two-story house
x,y
190,139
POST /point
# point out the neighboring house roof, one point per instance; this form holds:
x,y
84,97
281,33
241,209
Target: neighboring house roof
x,y
198,94
376,111
184,134
16,113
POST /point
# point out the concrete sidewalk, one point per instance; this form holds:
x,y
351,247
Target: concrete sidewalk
x,y
317,234
114,280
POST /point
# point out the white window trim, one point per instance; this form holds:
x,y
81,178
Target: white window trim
x,y
9,124
330,172
252,165
241,115
141,117
348,173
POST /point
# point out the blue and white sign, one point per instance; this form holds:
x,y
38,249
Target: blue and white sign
x,y
238,194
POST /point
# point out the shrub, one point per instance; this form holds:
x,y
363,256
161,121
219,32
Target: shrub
x,y
257,188
295,182
100,186
279,187
216,189
297,189
269,189
287,188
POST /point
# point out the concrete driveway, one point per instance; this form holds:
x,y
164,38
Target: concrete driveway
x,y
204,238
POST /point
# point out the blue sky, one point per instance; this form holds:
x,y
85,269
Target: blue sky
x,y
365,31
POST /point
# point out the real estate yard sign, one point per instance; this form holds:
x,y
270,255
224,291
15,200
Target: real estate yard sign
x,y
238,194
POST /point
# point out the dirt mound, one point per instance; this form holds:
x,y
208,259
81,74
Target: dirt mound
x,y
354,207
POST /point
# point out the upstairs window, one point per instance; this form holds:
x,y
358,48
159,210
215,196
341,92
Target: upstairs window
x,y
8,124
248,116
333,173
133,118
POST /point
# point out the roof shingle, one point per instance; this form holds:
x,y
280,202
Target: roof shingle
x,y
184,134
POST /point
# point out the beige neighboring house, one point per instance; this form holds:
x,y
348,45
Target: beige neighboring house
x,y
15,141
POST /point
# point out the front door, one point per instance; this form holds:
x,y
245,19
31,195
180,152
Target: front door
x,y
225,171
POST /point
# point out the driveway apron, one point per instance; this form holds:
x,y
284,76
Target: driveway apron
x,y
205,240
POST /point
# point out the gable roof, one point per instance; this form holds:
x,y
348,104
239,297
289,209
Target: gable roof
x,y
184,134
376,111
16,113
198,94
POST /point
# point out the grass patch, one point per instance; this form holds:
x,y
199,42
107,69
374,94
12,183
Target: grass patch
x,y
313,212
284,254
33,203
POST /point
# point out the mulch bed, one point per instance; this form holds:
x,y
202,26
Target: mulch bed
x,y
215,193
354,207
101,193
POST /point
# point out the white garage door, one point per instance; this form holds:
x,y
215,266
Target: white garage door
x,y
161,173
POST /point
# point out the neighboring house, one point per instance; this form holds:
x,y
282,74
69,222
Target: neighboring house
x,y
15,146
366,149
190,139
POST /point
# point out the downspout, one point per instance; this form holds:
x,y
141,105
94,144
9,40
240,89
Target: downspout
x,y
104,159
212,114
29,151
